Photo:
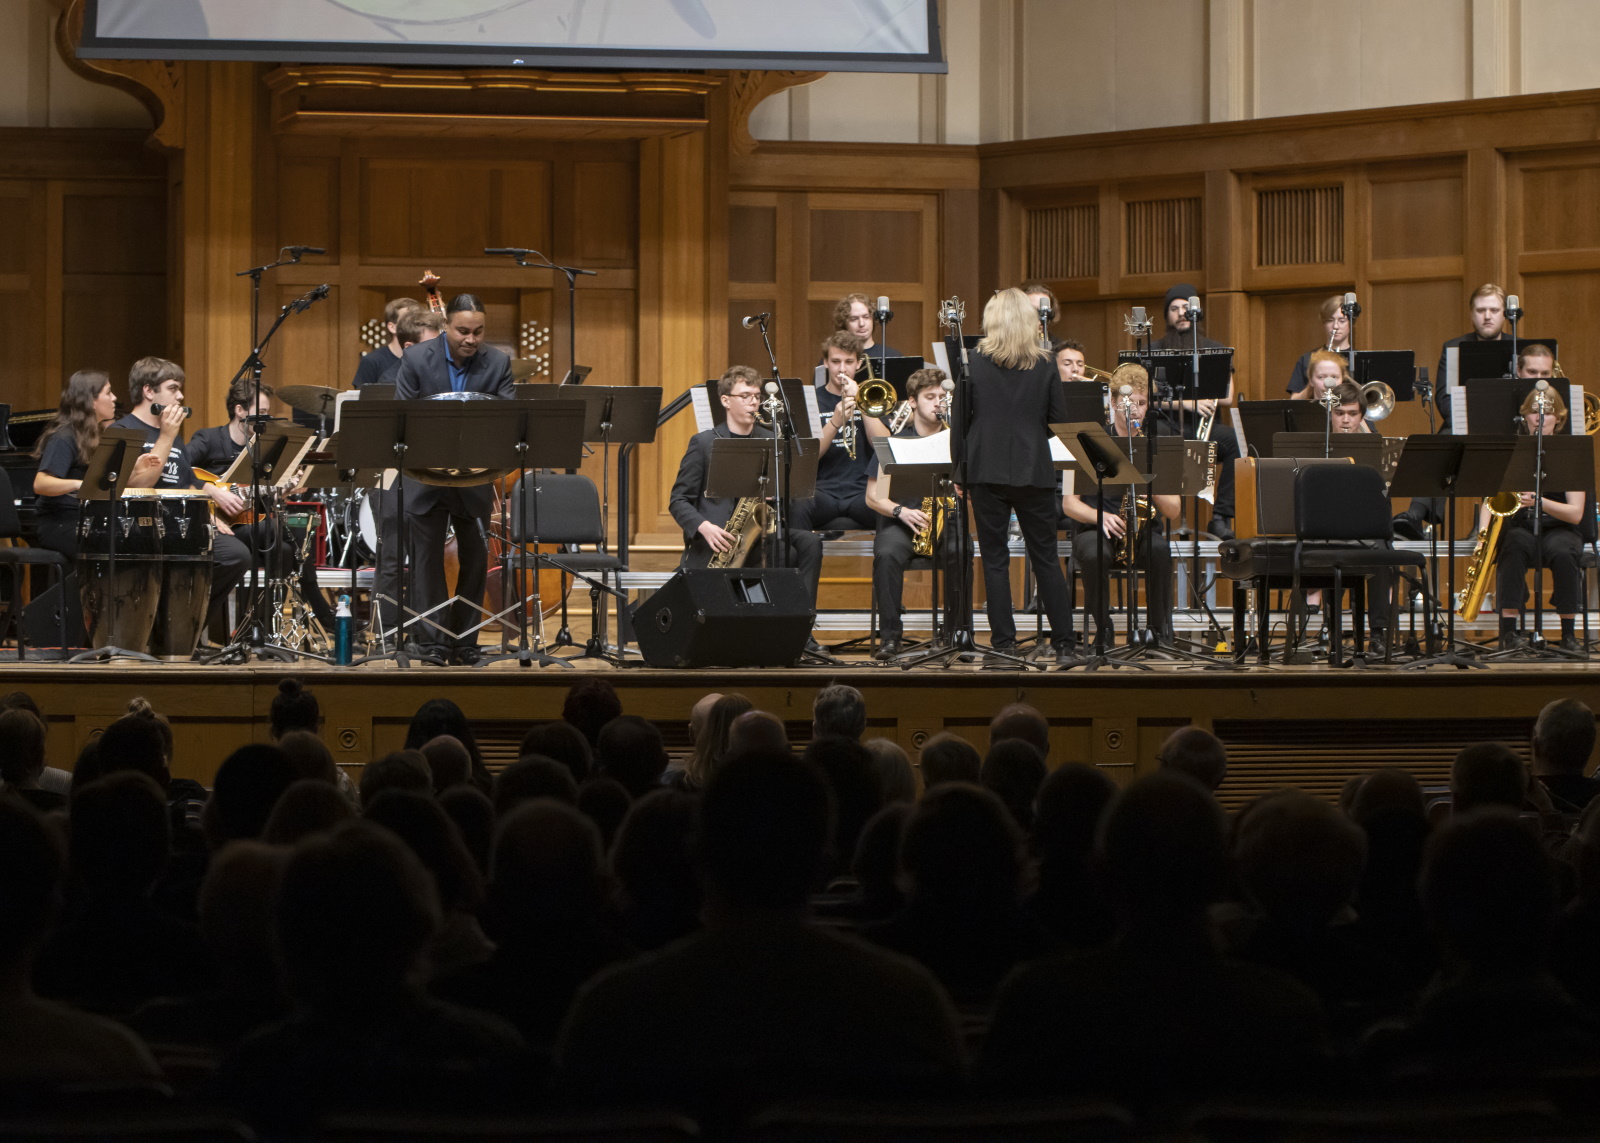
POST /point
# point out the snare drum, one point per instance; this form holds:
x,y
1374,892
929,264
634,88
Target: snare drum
x,y
187,538
121,612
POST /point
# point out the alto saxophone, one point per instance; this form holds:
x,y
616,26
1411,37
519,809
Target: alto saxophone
x,y
750,520
935,508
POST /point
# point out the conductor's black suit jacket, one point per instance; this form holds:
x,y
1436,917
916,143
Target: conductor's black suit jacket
x,y
423,373
1007,438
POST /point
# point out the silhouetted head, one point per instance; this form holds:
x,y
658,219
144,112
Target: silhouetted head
x,y
21,748
653,862
1067,813
1489,892
416,819
948,757
604,801
546,868
1197,753
120,837
355,912
533,776
309,756
1563,737
294,707
1019,720
449,764
248,784
1385,790
897,781
1299,858
235,909
31,869
630,750
397,770
699,713
847,766
839,710
1163,850
591,703
1013,771
134,742
563,742
441,716
961,846
473,813
309,806
1487,774
876,865
711,743
765,824
757,732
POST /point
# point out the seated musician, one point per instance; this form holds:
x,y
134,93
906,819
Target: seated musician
x,y
854,314
902,518
1153,553
1324,371
155,383
1336,336
1069,359
458,362
381,366
88,404
846,442
214,450
1180,335
1560,541
701,517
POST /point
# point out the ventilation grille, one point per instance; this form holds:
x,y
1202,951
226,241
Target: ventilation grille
x,y
1163,236
1064,242
1320,755
1300,226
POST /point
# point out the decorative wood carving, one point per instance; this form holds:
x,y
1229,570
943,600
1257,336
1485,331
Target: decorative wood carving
x,y
746,89
158,84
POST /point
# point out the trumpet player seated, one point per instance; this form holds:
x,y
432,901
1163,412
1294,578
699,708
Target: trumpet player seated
x,y
1559,544
907,526
1349,411
846,444
712,535
1097,553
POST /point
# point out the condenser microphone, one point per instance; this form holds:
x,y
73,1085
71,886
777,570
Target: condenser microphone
x,y
948,385
1513,308
1541,385
772,388
1047,312
753,320
1350,307
883,312
1194,312
1139,317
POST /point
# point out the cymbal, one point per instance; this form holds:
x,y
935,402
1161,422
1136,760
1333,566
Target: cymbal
x,y
524,367
313,399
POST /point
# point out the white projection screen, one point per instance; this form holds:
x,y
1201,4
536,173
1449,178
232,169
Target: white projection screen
x,y
827,35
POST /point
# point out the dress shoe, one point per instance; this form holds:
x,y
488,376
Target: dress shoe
x,y
428,653
1067,655
1515,641
1571,643
888,649
1377,646
1221,527
467,656
1409,526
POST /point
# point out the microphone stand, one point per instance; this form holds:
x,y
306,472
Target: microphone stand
x,y
520,257
1351,310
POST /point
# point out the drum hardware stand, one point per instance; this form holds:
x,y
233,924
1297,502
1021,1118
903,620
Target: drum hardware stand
x,y
108,478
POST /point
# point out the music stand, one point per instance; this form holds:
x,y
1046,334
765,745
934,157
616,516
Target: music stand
x,y
1365,449
1432,466
1396,368
1485,360
106,478
914,481
743,466
794,396
895,370
1494,403
1262,420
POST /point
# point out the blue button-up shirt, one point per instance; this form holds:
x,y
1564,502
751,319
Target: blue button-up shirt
x,y
458,373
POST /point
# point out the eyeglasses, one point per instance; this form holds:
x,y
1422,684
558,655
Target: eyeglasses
x,y
750,396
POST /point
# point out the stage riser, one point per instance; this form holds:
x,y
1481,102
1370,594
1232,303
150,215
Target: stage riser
x,y
1312,728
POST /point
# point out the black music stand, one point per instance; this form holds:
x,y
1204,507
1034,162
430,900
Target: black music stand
x,y
1494,403
914,481
1263,420
545,434
1365,449
1099,456
1483,360
1431,466
1396,368
106,478
895,370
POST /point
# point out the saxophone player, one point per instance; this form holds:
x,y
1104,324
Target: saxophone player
x,y
1152,553
701,518
1560,543
902,520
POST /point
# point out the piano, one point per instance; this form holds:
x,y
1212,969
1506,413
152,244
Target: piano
x,y
19,432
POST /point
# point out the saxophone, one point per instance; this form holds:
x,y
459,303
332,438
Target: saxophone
x,y
935,508
749,522
1469,600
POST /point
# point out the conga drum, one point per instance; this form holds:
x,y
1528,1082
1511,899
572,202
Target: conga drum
x,y
187,534
120,611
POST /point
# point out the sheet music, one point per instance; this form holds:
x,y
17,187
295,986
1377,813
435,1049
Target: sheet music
x,y
932,449
289,468
1452,367
338,404
1059,453
813,410
942,358
1575,417
1238,428
1458,410
701,400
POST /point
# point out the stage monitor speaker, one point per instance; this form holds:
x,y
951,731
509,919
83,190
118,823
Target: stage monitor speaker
x,y
726,617
41,619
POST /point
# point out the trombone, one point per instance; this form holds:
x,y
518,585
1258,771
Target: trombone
x,y
1377,401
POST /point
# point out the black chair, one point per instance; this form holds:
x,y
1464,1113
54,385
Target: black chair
x,y
565,510
1338,510
16,560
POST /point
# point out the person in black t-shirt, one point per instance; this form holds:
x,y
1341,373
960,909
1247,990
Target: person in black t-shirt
x,y
1180,335
854,314
381,365
88,404
1153,554
152,382
214,449
902,518
1336,330
841,478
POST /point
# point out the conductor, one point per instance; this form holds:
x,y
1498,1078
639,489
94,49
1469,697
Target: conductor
x,y
458,362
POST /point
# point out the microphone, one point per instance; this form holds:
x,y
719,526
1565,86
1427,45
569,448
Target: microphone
x,y
299,250
753,320
507,251
305,301
771,388
948,385
159,409
883,312
1540,385
1139,317
1194,312
1513,308
1349,307
1047,312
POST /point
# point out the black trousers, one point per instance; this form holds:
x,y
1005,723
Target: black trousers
x,y
425,545
1037,510
805,555
386,513
58,531
891,555
826,506
1560,547
1152,555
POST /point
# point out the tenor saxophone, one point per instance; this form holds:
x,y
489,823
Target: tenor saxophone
x,y
750,520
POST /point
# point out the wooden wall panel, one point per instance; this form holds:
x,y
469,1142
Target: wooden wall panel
x,y
1566,304
421,208
753,244
1558,207
1285,326
306,348
1416,218
866,245
1419,316
605,226
308,196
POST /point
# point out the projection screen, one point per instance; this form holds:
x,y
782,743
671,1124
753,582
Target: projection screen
x,y
827,35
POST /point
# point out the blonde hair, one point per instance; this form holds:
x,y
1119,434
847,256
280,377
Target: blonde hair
x,y
1011,331
1330,308
1558,406
1131,374
1488,289
1309,393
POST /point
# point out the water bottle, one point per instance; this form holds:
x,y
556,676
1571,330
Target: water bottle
x,y
344,631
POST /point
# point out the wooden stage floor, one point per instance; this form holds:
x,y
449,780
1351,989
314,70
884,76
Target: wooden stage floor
x,y
1309,726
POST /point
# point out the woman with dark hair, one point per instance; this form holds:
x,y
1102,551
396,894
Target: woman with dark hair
x,y
294,708
441,716
88,404
1000,441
